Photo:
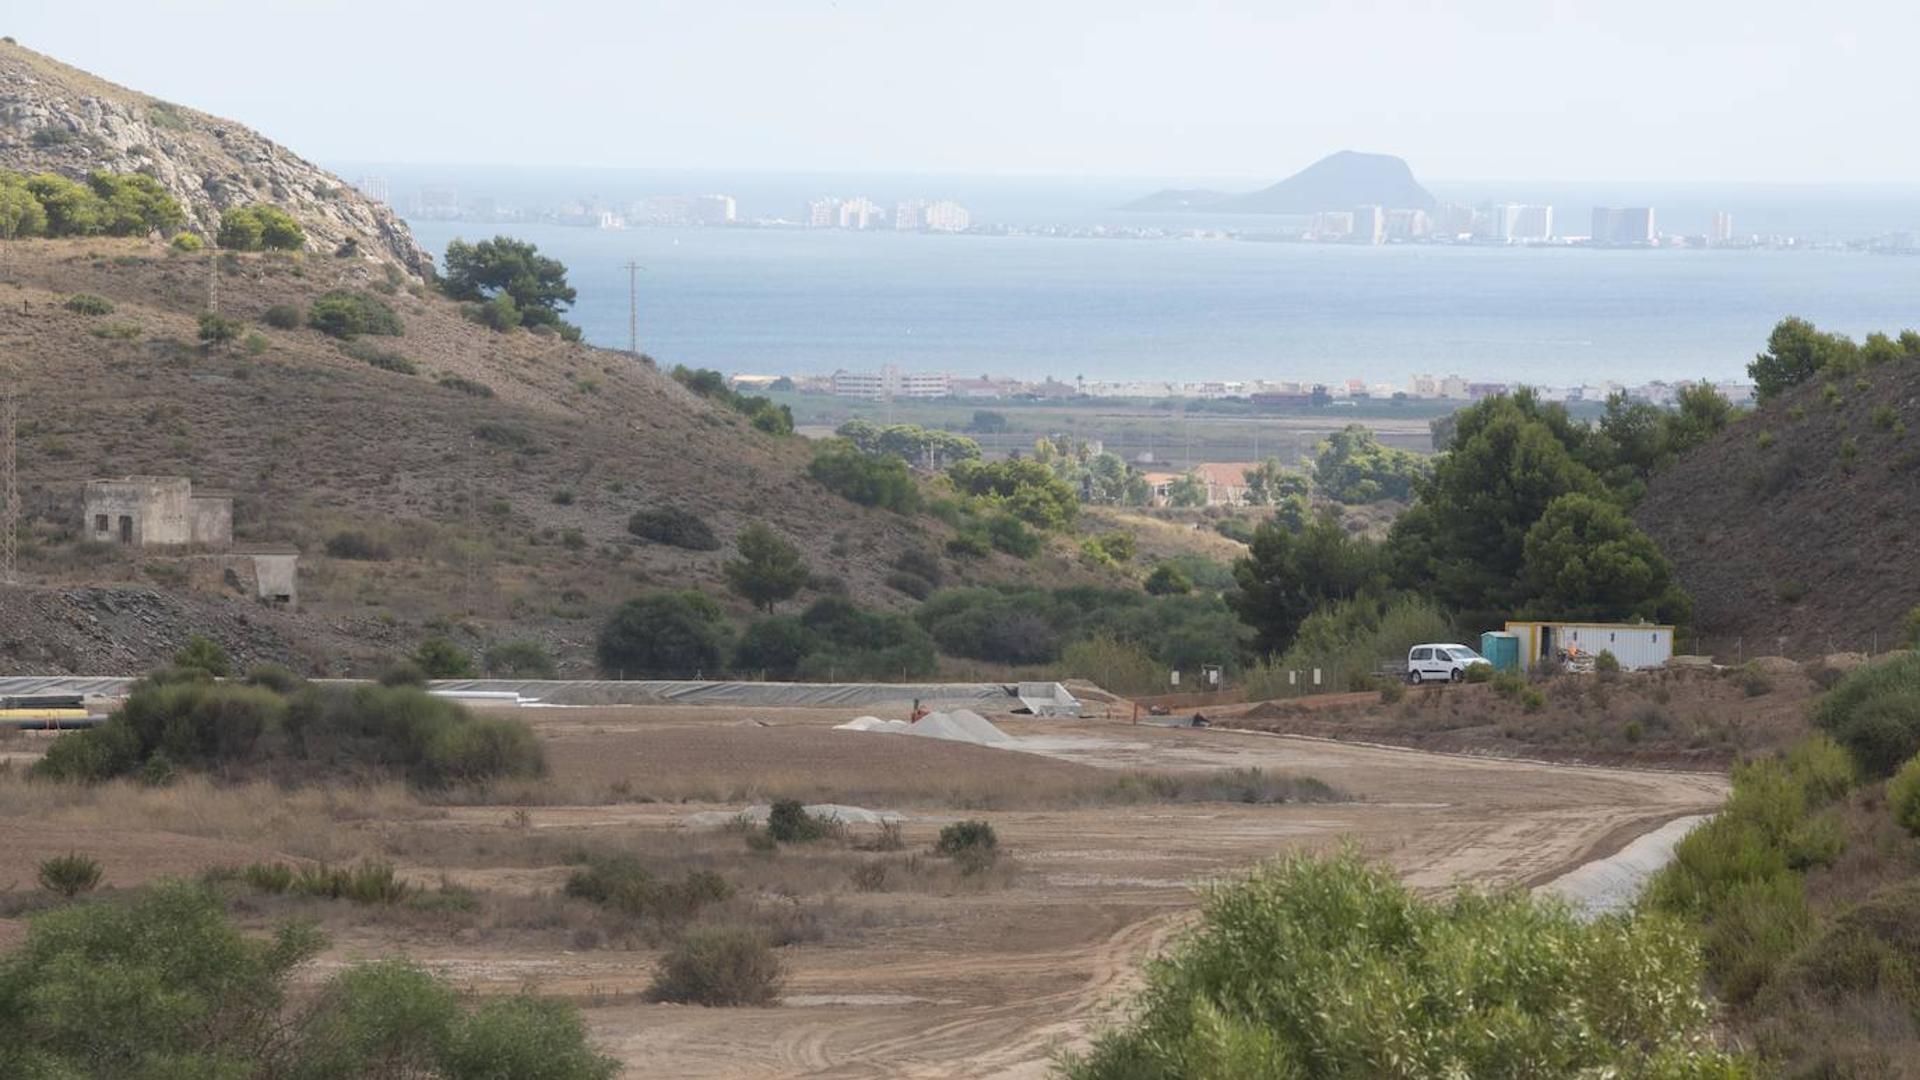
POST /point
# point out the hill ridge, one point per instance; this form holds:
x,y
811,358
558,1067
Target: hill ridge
x,y
60,119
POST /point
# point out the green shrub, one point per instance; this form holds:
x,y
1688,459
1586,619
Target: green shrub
x,y
1874,711
442,659
1318,966
346,314
402,672
1605,664
789,823
358,546
719,966
465,386
283,317
1910,628
1392,691
966,836
1508,684
1480,673
1167,579
1903,796
218,329
382,359
274,677
204,654
187,243
260,227
868,479
89,304
674,527
1532,701
274,877
520,660
664,635
163,985
70,874
621,883
912,585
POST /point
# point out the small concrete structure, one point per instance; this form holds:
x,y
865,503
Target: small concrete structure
x,y
165,512
157,511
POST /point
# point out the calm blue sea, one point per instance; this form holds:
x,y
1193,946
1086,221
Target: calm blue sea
x,y
795,301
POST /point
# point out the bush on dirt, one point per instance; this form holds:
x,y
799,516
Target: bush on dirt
x,y
520,660
1874,712
205,655
789,823
719,966
89,304
1903,796
283,317
163,985
346,314
622,883
442,659
674,527
971,844
664,635
70,874
1328,960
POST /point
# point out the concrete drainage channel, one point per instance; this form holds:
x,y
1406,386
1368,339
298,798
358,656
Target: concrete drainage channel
x,y
1609,886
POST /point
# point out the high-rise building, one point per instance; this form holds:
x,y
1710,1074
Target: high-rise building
x,y
910,216
1330,225
1408,225
1453,221
1369,225
948,216
1623,225
823,213
859,212
376,188
1533,225
890,382
1495,223
1722,228
684,210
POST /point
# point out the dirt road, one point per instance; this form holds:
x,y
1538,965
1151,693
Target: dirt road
x,y
992,984
937,976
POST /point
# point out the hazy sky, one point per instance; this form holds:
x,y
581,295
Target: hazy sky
x,y
1767,90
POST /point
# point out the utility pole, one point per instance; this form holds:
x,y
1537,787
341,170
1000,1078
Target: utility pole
x,y
10,508
213,279
633,308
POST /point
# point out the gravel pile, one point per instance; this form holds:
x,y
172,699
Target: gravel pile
x,y
958,725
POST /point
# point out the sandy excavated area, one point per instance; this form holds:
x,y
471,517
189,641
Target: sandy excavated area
x,y
998,980
944,982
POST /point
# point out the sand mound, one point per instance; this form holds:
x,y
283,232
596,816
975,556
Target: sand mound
x,y
846,815
1775,665
958,725
872,723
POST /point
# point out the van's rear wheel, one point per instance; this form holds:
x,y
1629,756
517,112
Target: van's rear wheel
x,y
1413,678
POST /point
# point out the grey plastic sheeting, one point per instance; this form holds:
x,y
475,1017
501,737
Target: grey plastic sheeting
x,y
744,694
1611,885
614,692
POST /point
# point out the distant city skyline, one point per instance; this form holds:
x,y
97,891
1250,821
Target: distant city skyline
x,y
1633,89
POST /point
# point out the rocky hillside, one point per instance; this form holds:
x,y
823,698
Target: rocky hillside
x,y
54,118
490,475
1794,529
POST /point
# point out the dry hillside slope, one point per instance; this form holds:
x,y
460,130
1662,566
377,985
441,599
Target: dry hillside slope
x,y
1794,528
55,118
503,516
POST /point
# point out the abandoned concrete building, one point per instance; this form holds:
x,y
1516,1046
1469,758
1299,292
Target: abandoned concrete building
x,y
165,512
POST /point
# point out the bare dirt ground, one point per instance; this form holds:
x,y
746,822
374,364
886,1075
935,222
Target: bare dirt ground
x,y
937,977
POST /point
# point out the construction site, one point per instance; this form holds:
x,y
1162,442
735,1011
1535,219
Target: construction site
x,y
896,962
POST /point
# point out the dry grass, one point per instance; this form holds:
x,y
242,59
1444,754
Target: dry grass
x,y
309,822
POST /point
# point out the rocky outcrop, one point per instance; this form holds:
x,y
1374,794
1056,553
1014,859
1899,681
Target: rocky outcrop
x,y
54,118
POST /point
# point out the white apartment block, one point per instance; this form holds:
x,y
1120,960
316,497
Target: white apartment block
x,y
890,382
948,216
823,213
859,212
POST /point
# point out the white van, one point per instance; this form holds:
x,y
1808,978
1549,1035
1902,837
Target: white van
x,y
1443,661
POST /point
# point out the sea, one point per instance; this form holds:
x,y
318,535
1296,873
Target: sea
x,y
800,301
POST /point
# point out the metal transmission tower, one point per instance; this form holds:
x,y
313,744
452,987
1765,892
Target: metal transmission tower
x,y
633,308
213,279
9,483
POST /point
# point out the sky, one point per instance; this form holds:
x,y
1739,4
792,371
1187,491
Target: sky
x,y
1678,90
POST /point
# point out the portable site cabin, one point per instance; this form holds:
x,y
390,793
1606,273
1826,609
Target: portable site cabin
x,y
1635,645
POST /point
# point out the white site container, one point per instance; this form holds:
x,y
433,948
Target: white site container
x,y
1635,645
